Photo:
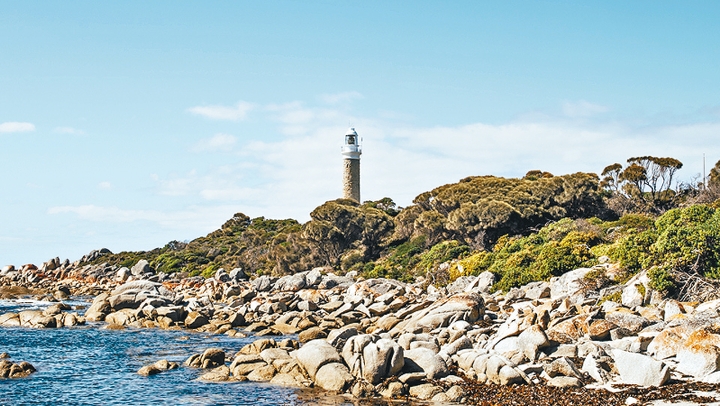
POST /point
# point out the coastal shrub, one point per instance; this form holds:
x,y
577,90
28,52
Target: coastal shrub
x,y
555,249
597,279
632,251
399,262
342,224
209,271
480,209
613,297
350,259
431,262
689,239
167,262
442,252
661,279
471,265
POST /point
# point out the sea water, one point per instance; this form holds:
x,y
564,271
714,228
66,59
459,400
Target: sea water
x,y
89,365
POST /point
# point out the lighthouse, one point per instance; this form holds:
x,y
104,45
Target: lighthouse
x,y
351,165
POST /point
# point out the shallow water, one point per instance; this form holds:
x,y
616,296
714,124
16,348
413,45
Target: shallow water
x,y
91,366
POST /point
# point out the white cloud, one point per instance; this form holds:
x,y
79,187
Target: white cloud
x,y
217,112
16,127
205,217
68,130
583,108
291,176
218,142
104,185
297,119
336,98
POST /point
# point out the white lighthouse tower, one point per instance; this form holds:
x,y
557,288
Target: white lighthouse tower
x,y
351,165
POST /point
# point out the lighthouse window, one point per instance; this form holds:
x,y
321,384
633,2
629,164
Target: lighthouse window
x,y
351,139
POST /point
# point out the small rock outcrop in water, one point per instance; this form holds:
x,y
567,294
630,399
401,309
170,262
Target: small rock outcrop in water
x,y
156,368
9,369
52,317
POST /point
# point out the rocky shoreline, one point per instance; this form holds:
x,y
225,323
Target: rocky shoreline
x,y
381,338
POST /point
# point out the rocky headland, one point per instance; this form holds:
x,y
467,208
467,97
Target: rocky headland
x,y
381,338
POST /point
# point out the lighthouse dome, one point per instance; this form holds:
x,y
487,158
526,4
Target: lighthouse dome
x,y
351,149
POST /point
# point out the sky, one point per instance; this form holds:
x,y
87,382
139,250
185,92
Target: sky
x,y
130,124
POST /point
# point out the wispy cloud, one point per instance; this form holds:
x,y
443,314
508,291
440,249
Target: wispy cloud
x,y
105,185
583,108
298,119
218,112
16,127
205,217
68,130
336,98
218,142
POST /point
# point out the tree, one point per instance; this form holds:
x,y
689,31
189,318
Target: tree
x,y
644,185
655,173
611,177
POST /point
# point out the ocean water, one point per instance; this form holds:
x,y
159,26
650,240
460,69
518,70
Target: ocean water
x,y
88,365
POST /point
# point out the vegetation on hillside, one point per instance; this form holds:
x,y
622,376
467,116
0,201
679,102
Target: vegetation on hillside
x,y
522,230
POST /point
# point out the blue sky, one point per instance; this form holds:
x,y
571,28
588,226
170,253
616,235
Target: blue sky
x,y
130,124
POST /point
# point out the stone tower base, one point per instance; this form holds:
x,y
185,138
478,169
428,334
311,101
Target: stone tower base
x,y
351,179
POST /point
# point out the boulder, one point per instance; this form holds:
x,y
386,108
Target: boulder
x,y
638,369
425,391
568,284
591,367
36,319
157,367
141,268
699,360
531,340
372,358
237,275
12,370
316,353
290,283
263,283
564,382
132,294
219,374
313,278
195,320
262,374
481,284
562,366
313,333
426,361
333,376
632,295
338,337
536,290
627,320
394,390
699,355
462,306
210,358
9,320
99,309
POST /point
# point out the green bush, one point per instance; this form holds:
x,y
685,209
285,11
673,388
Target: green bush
x,y
399,262
555,249
689,239
633,251
661,279
442,252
